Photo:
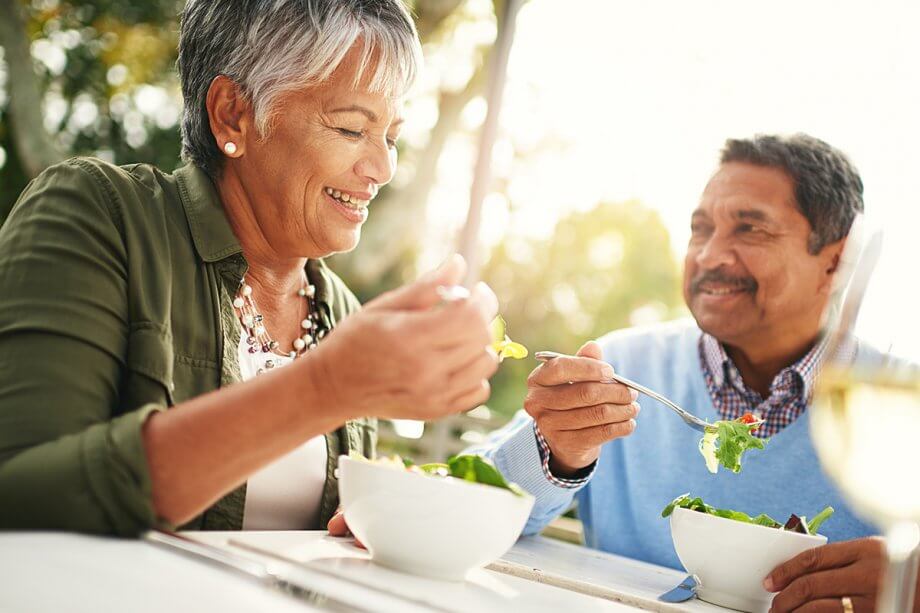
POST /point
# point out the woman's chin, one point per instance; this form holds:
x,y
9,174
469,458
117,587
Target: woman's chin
x,y
342,241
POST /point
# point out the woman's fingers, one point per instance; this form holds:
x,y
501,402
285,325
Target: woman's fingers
x,y
337,525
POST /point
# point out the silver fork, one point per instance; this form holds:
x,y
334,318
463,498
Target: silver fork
x,y
691,420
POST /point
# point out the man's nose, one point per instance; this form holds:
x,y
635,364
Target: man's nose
x,y
716,252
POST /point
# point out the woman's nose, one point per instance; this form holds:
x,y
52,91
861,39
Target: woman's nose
x,y
378,165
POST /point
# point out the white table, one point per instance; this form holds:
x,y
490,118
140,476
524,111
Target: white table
x,y
57,572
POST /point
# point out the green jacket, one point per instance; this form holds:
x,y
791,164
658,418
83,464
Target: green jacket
x,y
116,287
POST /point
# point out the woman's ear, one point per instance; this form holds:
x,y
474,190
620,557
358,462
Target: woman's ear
x,y
230,116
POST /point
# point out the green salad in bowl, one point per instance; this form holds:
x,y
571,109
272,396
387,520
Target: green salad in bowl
x,y
435,520
730,552
795,523
468,467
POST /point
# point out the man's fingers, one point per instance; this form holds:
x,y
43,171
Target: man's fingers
x,y
586,417
577,395
570,369
834,605
595,436
825,557
853,580
590,350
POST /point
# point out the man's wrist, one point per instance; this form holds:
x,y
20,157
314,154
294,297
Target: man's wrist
x,y
546,456
564,470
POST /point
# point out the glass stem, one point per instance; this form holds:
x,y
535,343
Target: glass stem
x,y
897,594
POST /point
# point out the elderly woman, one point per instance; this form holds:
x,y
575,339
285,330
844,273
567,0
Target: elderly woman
x,y
174,351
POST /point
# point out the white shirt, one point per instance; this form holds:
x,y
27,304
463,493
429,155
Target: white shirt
x,y
286,494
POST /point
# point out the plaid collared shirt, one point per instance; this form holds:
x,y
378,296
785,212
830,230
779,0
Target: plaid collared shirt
x,y
790,390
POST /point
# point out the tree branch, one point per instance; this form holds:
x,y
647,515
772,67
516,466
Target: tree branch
x,y
34,146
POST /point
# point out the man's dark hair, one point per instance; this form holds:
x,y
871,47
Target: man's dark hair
x,y
828,189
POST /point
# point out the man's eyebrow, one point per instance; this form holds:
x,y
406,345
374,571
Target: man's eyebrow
x,y
751,215
371,115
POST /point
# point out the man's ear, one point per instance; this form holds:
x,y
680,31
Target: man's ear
x,y
831,256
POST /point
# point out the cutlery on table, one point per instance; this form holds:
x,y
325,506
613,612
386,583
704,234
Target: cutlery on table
x,y
683,592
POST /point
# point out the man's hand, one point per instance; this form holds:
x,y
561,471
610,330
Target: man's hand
x,y
817,579
574,412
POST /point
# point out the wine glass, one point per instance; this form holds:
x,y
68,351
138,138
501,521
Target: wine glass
x,y
865,416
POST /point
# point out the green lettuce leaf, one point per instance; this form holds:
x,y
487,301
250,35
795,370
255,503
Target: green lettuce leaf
x,y
502,343
684,501
477,469
726,442
819,519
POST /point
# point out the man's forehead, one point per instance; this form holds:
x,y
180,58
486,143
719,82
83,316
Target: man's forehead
x,y
748,191
740,208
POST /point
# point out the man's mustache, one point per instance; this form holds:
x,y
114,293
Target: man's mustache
x,y
720,276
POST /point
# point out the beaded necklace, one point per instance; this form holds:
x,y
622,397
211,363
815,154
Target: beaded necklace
x,y
257,337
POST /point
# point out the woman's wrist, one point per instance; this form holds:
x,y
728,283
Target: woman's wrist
x,y
317,382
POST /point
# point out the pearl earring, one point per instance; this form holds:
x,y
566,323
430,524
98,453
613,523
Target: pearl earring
x,y
230,148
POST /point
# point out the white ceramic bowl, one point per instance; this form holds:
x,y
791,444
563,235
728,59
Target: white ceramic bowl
x,y
435,527
732,558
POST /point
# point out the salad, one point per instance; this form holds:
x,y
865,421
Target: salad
x,y
468,467
502,343
795,523
734,437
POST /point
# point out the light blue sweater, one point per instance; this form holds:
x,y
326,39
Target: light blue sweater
x,y
637,476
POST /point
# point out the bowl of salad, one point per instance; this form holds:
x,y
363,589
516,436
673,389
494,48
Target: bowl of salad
x,y
731,553
434,520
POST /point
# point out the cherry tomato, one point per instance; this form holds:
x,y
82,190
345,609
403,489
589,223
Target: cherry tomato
x,y
747,418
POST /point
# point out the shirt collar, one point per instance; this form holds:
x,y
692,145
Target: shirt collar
x,y
720,365
214,238
211,232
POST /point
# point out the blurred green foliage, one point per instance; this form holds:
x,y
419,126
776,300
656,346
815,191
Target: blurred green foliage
x,y
106,70
603,269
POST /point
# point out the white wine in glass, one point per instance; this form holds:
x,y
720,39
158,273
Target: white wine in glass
x,y
865,416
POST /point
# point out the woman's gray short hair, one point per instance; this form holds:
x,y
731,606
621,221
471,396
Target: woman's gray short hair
x,y
270,47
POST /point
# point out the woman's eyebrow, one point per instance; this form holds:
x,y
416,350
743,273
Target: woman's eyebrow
x,y
371,115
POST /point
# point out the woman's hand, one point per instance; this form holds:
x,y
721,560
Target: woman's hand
x,y
407,355
338,527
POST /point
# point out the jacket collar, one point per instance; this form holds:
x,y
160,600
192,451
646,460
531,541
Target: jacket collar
x,y
214,238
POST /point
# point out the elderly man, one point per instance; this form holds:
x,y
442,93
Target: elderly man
x,y
766,242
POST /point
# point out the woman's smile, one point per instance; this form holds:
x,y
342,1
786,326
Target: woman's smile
x,y
351,207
